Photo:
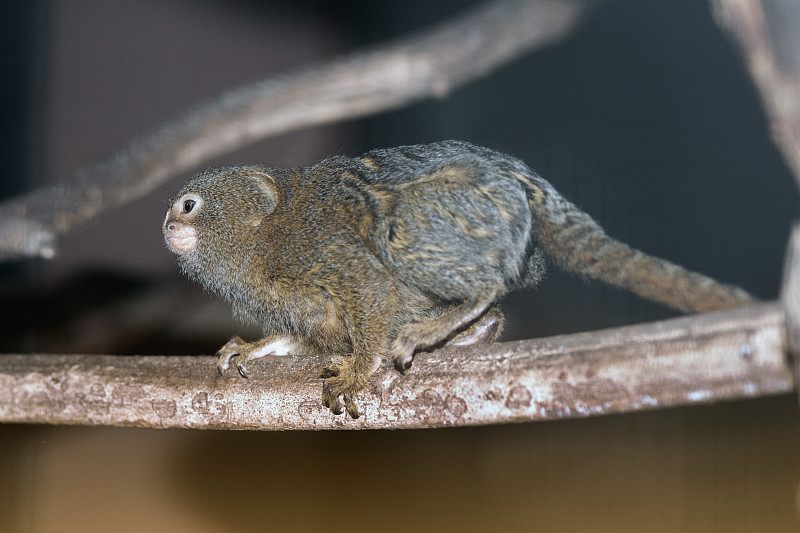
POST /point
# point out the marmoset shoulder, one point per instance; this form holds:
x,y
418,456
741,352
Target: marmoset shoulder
x,y
396,251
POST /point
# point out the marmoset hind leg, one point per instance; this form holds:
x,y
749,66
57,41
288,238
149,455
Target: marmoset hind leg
x,y
369,327
474,322
427,333
483,331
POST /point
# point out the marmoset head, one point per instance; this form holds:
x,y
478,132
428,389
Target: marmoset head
x,y
217,211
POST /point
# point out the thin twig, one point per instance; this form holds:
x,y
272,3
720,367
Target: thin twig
x,y
768,36
429,64
697,359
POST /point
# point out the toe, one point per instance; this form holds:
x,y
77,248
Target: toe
x,y
351,406
402,353
403,363
223,363
330,400
226,353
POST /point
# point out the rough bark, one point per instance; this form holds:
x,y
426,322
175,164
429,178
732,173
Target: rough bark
x,y
698,359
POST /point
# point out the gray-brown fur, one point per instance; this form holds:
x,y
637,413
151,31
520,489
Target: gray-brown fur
x,y
395,251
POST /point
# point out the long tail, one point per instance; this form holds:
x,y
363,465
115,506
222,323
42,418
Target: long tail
x,y
578,244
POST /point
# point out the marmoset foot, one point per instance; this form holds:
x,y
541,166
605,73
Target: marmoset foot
x,y
483,331
339,383
240,352
344,378
436,332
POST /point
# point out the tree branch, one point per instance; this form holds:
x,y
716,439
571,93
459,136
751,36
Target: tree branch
x,y
790,299
768,36
697,359
688,360
429,64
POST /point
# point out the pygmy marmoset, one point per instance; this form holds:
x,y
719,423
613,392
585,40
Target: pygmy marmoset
x,y
398,250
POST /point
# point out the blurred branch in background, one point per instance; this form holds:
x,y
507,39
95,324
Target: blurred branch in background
x,y
768,35
429,64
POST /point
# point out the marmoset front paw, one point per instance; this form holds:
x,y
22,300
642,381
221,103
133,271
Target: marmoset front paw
x,y
240,352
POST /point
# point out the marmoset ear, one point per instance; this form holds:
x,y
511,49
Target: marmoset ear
x,y
263,186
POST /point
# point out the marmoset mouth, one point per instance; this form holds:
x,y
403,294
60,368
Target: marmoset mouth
x,y
180,238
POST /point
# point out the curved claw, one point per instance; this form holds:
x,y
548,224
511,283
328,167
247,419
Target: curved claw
x,y
241,368
330,400
351,406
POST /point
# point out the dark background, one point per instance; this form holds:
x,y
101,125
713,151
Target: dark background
x,y
644,117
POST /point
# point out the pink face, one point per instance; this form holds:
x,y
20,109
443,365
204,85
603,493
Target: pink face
x,y
179,231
